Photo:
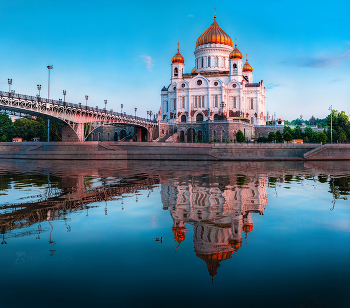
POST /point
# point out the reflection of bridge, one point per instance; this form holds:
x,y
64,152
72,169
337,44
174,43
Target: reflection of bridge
x,y
72,199
74,115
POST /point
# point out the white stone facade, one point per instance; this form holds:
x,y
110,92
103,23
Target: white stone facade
x,y
217,86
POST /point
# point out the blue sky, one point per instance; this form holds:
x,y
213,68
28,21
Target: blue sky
x,y
121,51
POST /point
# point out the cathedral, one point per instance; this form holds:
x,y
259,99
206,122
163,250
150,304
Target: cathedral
x,y
218,97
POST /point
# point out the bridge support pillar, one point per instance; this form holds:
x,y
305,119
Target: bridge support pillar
x,y
80,131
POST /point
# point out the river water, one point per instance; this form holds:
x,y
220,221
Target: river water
x,y
174,234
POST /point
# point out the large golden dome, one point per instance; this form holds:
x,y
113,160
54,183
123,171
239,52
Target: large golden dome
x,y
214,35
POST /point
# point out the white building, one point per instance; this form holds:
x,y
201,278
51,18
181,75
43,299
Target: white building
x,y
220,88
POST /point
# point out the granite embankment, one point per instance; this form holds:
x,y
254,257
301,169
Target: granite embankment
x,y
172,151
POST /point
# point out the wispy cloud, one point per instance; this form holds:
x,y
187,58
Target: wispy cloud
x,y
190,15
270,86
321,61
148,60
335,80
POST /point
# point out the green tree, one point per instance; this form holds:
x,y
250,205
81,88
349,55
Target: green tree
x,y
288,136
271,136
340,126
279,137
240,136
322,137
6,127
297,132
3,138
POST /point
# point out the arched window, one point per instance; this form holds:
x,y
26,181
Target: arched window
x,y
122,134
251,120
195,101
202,61
183,118
235,102
224,61
215,101
251,104
183,102
203,101
174,103
200,136
199,117
182,136
209,62
167,107
216,61
199,101
176,73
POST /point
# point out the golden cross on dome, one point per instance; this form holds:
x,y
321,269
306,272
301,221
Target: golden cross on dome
x,y
246,56
215,12
235,41
178,46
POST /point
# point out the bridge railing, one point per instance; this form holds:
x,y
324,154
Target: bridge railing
x,y
77,106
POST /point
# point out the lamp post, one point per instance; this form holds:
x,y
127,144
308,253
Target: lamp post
x,y
147,114
9,81
106,105
331,109
39,88
64,95
86,99
274,114
222,107
150,115
135,112
50,67
121,108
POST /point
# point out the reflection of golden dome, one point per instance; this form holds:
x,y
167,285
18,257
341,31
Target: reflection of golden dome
x,y
221,256
214,35
179,234
248,227
235,244
178,58
247,67
193,70
235,53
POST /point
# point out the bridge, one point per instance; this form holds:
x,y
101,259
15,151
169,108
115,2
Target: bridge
x,y
83,120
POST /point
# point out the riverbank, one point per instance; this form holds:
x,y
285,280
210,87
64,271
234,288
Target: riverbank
x,y
172,151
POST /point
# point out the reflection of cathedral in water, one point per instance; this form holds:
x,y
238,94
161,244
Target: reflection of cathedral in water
x,y
220,214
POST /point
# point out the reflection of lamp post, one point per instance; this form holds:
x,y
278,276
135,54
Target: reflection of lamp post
x,y
135,112
64,95
9,81
330,108
106,105
50,67
39,88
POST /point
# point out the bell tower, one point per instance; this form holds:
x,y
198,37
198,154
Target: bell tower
x,y
177,65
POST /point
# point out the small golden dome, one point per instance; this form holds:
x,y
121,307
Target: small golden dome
x,y
214,35
193,70
236,54
178,58
247,67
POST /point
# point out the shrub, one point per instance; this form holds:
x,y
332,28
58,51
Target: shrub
x,y
240,136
